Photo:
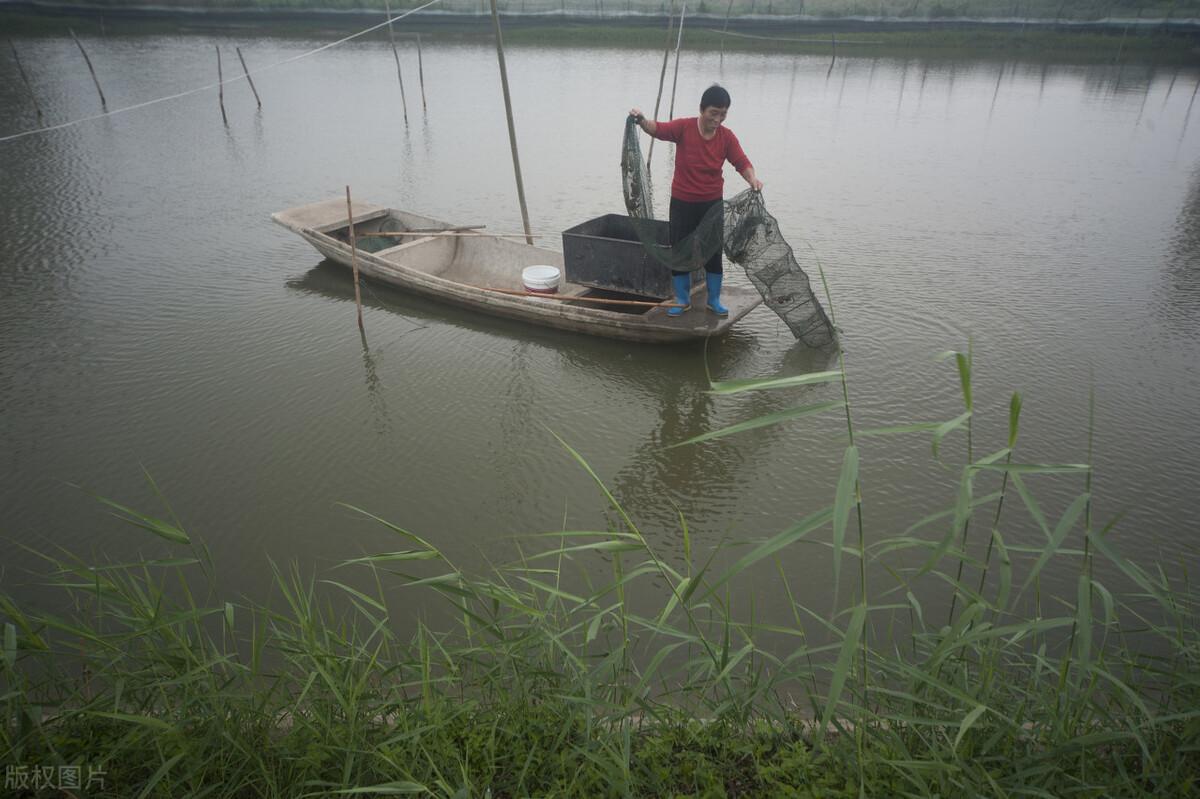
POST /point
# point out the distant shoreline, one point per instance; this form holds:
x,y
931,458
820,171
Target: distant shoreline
x,y
1132,40
249,8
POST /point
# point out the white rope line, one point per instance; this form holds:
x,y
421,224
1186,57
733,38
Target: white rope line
x,y
217,83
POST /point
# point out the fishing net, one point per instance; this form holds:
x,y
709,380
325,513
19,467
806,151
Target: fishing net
x,y
750,236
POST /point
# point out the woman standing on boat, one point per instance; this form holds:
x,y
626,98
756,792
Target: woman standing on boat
x,y
702,146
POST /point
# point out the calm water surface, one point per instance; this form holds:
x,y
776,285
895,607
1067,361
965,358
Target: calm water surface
x,y
151,315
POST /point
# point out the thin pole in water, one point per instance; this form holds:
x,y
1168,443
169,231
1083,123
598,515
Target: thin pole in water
x,y
421,72
25,79
392,37
728,11
833,45
88,61
248,79
662,76
512,131
221,87
678,46
354,259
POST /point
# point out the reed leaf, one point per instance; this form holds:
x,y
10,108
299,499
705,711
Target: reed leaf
x,y
845,498
915,427
769,383
966,724
10,645
1014,419
841,669
394,788
763,421
158,775
162,529
1065,523
764,550
945,428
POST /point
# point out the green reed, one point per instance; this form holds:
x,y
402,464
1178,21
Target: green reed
x,y
545,680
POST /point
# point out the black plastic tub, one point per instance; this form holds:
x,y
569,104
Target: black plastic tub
x,y
606,253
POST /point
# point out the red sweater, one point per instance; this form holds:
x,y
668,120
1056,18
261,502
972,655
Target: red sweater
x,y
698,162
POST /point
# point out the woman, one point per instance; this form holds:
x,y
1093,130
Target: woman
x,y
702,146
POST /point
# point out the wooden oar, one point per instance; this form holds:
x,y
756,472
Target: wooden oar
x,y
467,233
573,298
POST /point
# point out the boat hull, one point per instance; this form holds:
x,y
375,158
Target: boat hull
x,y
462,270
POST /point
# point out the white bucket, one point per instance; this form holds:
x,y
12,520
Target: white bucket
x,y
541,279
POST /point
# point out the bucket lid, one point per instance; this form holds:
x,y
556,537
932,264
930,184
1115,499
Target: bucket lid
x,y
540,273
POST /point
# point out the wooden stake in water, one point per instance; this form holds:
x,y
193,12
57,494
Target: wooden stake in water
x,y
512,131
421,72
354,258
728,11
678,46
248,78
392,37
88,61
662,76
25,79
221,87
833,46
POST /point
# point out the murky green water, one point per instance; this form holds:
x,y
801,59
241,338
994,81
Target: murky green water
x,y
152,316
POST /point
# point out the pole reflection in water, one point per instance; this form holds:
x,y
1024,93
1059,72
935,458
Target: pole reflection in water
x,y
375,392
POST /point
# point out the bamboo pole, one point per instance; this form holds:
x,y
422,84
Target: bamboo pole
x,y
833,45
392,38
512,132
421,73
574,298
88,61
451,233
678,46
221,86
354,259
728,11
662,76
25,79
248,79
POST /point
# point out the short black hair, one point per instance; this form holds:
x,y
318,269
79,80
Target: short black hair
x,y
714,96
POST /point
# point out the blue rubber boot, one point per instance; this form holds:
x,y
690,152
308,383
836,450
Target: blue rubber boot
x,y
683,294
713,281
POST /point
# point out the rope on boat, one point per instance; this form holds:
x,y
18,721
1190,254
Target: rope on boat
x,y
209,86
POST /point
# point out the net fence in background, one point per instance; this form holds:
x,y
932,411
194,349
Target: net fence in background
x,y
750,236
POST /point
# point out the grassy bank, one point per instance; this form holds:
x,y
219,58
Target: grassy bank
x,y
897,38
1063,11
550,682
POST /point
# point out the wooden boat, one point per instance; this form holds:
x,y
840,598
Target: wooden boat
x,y
482,271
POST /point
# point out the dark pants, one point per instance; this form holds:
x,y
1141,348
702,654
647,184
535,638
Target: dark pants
x,y
685,217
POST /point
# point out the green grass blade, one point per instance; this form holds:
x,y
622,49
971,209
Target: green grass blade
x,y
945,428
1065,523
159,527
398,788
10,645
844,500
915,427
966,724
766,549
1083,605
763,421
768,383
1014,419
158,775
841,670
